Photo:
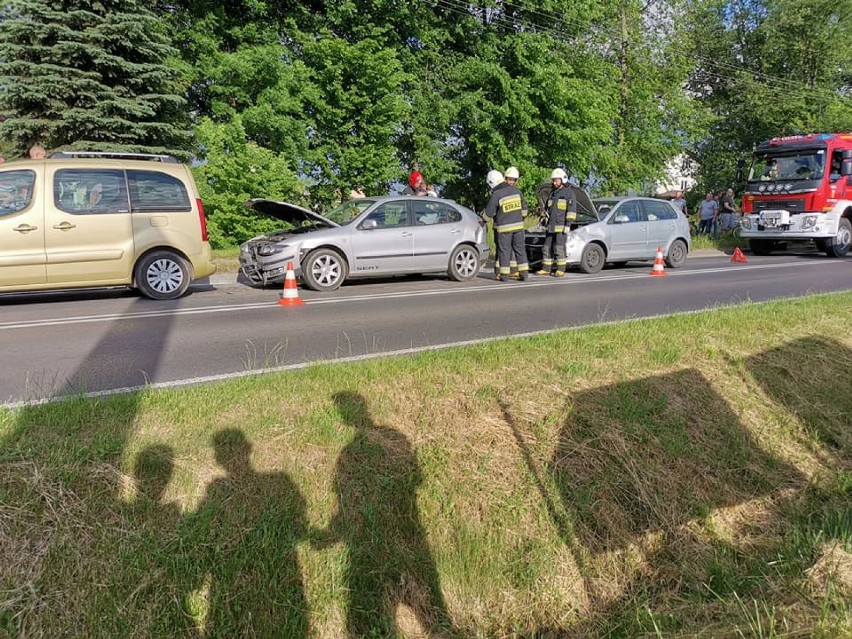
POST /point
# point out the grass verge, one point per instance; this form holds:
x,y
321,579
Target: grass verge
x,y
689,476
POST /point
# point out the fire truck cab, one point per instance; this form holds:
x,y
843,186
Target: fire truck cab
x,y
800,188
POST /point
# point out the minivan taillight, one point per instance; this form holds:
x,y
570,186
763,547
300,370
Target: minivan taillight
x,y
202,219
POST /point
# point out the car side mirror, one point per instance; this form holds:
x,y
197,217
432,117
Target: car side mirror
x,y
368,225
621,219
846,166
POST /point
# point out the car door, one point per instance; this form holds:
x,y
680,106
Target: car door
x,y
437,229
89,235
662,225
22,257
628,232
383,242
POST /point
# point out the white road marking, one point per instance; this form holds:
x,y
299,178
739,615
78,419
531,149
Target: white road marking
x,y
494,287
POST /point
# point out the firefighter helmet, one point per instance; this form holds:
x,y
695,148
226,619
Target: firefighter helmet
x,y
493,178
559,174
512,172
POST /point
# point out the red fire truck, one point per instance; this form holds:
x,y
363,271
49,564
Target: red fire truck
x,y
800,188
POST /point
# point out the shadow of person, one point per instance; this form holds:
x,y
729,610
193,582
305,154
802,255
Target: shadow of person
x,y
810,378
389,561
251,523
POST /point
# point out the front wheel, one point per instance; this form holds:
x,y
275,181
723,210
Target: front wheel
x,y
677,254
839,245
324,270
464,263
593,259
162,275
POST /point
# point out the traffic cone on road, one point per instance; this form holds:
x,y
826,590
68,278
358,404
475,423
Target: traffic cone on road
x,y
290,295
738,256
659,263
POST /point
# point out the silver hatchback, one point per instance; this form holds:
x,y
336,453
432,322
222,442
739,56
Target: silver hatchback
x,y
366,238
619,230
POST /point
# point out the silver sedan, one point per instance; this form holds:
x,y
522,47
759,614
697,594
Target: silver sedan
x,y
366,238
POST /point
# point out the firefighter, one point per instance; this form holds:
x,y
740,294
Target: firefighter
x,y
507,207
511,175
560,206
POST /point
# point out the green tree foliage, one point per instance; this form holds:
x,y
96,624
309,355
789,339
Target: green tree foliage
x,y
766,69
89,74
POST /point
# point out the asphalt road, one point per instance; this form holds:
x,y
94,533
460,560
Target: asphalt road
x,y
92,341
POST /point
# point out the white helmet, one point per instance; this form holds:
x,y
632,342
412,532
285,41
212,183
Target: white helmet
x,y
512,172
559,174
493,178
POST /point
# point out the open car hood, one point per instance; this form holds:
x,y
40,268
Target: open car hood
x,y
293,214
585,208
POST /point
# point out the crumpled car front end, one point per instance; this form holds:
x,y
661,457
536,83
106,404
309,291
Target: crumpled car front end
x,y
264,259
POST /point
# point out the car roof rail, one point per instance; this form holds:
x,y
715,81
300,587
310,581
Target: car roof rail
x,y
115,155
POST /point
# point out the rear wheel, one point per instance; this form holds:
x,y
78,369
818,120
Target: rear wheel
x,y
593,259
162,275
839,246
761,247
324,270
677,254
464,263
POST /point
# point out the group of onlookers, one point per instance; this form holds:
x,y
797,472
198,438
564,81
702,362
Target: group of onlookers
x,y
717,213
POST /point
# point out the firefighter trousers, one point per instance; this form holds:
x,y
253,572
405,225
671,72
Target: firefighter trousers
x,y
554,247
510,250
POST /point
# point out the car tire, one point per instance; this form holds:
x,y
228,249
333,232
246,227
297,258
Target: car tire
x,y
593,259
677,254
464,263
839,245
761,247
162,275
324,270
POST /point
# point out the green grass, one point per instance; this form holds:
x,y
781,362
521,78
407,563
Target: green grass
x,y
673,477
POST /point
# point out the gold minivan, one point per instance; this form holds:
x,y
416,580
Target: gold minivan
x,y
83,219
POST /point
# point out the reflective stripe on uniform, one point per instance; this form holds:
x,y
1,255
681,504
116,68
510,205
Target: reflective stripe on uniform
x,y
510,204
558,229
509,228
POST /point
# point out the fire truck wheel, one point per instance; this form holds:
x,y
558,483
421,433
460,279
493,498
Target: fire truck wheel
x,y
761,247
839,246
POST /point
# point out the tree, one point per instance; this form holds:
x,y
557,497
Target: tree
x,y
89,74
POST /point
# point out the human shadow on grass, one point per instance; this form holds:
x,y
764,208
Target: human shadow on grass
x,y
389,560
638,467
63,552
812,379
247,528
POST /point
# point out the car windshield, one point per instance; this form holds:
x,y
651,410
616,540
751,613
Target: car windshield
x,y
604,206
805,165
348,211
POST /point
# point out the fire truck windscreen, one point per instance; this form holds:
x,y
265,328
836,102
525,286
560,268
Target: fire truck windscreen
x,y
803,165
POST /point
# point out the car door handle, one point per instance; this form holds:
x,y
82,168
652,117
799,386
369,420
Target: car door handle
x,y
406,234
455,231
65,226
25,228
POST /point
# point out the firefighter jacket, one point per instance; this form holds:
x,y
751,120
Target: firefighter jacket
x,y
508,208
560,209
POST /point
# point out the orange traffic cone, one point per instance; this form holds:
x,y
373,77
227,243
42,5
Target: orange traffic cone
x,y
659,263
290,296
738,256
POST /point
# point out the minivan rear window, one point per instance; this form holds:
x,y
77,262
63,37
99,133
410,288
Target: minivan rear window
x,y
155,191
90,191
16,191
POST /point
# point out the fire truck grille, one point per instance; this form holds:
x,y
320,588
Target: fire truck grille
x,y
794,206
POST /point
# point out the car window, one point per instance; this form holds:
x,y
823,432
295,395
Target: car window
x,y
658,211
631,210
16,191
90,191
155,191
389,215
427,213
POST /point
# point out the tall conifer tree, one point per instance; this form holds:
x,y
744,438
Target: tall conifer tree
x,y
89,74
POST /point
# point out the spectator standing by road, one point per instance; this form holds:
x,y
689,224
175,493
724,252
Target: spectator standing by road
x,y
37,152
680,204
417,186
560,203
707,211
507,208
728,211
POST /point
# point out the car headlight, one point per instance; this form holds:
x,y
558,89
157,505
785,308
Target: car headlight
x,y
269,249
809,221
